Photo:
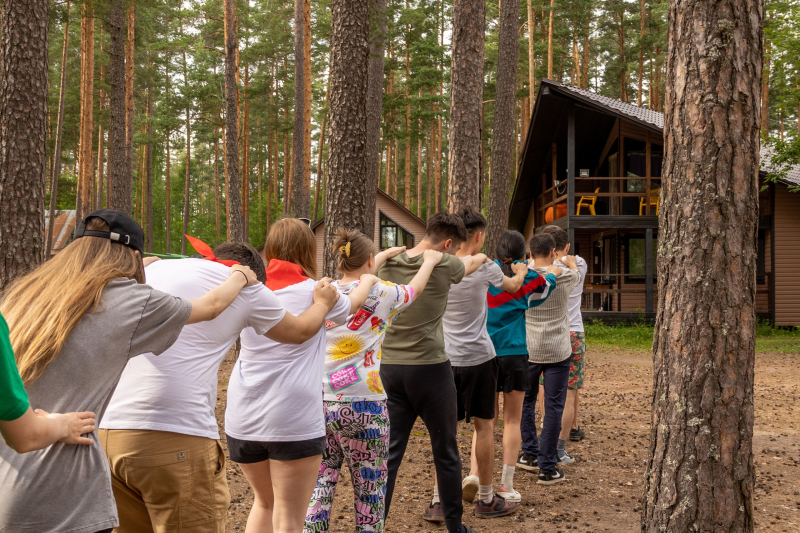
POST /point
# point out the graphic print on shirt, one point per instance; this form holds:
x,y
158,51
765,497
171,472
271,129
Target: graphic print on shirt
x,y
353,351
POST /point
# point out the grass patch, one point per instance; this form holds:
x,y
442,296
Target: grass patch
x,y
640,337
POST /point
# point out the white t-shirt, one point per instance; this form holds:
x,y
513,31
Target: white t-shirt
x,y
353,355
574,305
275,390
466,341
177,390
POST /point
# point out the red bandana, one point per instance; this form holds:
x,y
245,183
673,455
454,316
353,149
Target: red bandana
x,y
281,274
207,253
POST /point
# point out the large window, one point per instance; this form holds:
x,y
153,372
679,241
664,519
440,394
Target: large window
x,y
635,258
393,234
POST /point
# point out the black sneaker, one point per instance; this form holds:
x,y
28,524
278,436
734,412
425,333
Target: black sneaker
x,y
576,435
548,477
528,462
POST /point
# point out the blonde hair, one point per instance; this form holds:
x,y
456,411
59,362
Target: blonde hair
x,y
44,307
292,240
352,249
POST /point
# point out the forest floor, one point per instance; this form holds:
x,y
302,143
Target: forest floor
x,y
603,488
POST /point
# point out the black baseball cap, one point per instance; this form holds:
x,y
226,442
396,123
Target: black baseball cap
x,y
122,228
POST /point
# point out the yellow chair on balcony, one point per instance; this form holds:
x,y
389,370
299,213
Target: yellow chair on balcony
x,y
587,201
655,199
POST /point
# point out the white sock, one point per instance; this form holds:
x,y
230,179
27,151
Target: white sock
x,y
508,477
435,494
485,493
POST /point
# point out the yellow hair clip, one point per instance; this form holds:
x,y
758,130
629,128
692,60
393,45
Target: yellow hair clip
x,y
345,249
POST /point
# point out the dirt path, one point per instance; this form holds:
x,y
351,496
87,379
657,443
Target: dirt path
x,y
603,488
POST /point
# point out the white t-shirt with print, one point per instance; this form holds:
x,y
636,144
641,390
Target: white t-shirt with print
x,y
466,341
176,391
275,391
353,355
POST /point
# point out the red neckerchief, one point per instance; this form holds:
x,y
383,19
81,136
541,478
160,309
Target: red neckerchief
x,y
281,274
207,253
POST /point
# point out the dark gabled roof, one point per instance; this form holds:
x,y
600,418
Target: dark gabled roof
x,y
380,192
647,118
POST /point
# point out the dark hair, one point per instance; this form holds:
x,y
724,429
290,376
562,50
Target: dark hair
x,y
443,226
542,244
559,236
510,248
352,249
245,254
473,220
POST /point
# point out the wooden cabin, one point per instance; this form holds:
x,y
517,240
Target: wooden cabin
x,y
592,166
394,226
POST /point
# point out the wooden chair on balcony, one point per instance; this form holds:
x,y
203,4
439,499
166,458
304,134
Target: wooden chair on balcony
x,y
655,198
587,201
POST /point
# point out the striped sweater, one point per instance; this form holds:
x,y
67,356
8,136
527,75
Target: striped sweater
x,y
506,321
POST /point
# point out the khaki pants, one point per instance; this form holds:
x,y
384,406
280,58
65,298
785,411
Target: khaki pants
x,y
167,482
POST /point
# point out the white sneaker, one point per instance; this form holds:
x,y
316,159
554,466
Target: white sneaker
x,y
469,488
512,496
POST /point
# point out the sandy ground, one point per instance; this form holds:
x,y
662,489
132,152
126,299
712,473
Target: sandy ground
x,y
603,488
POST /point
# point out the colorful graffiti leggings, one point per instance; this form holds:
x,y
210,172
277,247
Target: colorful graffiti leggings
x,y
356,432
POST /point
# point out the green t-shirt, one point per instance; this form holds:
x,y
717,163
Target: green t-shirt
x,y
13,398
416,336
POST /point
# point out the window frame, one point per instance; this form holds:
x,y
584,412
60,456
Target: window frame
x,y
382,215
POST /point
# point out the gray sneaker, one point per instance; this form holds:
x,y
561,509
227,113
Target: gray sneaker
x,y
564,458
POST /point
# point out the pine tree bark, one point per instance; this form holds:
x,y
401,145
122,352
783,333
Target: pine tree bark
x,y
531,55
765,90
641,51
187,175
85,156
503,138
23,135
407,160
129,96
101,150
345,202
55,168
623,75
550,40
149,163
700,467
377,48
320,174
232,198
301,202
306,196
120,173
216,185
466,103
245,173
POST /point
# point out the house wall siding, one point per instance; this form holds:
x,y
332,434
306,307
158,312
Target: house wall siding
x,y
787,257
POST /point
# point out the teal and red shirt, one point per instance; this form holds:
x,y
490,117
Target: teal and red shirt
x,y
506,322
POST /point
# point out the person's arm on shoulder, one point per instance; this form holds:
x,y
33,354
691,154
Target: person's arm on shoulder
x,y
430,258
298,329
542,292
360,294
39,429
214,302
381,257
473,263
512,285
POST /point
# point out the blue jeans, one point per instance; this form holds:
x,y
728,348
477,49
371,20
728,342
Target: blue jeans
x,y
556,376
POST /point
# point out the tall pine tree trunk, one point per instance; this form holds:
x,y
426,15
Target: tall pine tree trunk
x,y
120,173
85,156
23,135
101,150
407,161
186,179
232,199
149,162
641,51
167,184
245,174
765,90
301,199
531,55
55,168
550,40
345,202
377,47
216,185
503,138
466,103
320,174
306,196
129,96
623,75
700,467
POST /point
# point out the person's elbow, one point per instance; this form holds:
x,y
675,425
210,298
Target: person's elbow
x,y
20,442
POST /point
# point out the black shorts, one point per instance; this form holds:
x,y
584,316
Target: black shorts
x,y
475,390
513,374
252,451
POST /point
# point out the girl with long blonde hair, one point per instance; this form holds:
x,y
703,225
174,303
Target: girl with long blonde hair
x,y
273,421
74,322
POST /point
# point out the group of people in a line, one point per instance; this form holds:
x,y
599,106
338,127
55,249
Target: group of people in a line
x,y
120,355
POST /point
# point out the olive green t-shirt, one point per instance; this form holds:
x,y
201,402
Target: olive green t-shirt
x,y
416,336
13,398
